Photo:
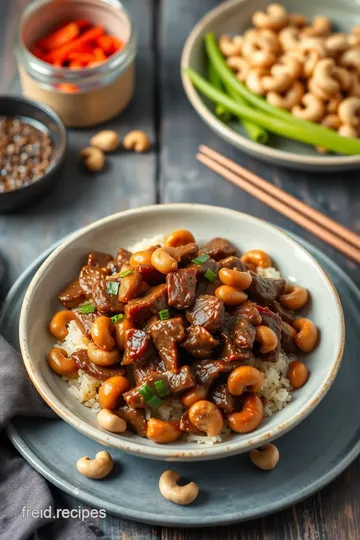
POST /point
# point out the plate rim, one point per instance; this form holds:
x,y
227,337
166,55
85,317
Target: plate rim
x,y
262,151
145,517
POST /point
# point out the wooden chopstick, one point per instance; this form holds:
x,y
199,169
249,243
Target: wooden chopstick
x,y
290,212
280,194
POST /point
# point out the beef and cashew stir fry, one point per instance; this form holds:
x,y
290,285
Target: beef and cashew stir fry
x,y
179,323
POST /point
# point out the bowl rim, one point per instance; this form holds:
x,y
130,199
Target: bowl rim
x,y
61,146
232,447
230,135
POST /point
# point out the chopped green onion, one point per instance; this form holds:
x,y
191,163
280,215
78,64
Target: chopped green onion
x,y
146,392
210,275
87,308
117,318
164,314
201,259
125,272
161,388
112,287
155,402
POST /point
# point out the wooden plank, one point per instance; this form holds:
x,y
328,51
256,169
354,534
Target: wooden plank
x,y
184,180
81,197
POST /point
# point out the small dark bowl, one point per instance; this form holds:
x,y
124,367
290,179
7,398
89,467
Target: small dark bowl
x,y
25,108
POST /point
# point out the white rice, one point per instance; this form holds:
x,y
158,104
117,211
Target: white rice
x,y
276,388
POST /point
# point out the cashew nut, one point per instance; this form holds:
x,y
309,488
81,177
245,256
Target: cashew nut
x,y
278,82
111,422
171,491
287,101
336,43
274,18
349,111
96,468
331,121
93,158
231,46
343,76
333,105
308,44
288,64
240,65
351,59
315,89
106,140
320,26
289,38
347,130
309,65
325,76
136,140
313,110
254,82
266,457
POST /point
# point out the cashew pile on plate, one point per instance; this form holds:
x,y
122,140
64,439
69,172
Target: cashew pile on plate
x,y
299,66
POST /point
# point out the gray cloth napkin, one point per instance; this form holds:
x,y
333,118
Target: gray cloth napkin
x,y
20,485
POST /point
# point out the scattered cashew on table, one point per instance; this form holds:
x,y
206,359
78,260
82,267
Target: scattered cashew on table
x,y
300,66
107,141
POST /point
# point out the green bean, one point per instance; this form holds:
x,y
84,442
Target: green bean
x,y
220,111
317,137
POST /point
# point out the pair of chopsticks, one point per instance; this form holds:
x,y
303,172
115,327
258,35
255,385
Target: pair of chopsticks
x,y
325,228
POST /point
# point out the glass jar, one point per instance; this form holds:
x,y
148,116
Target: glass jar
x,y
82,97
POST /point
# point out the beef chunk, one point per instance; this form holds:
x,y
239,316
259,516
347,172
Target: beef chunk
x,y
221,396
184,254
135,419
122,258
234,329
181,287
72,295
166,335
141,309
219,248
187,425
98,372
199,342
273,321
99,259
139,347
201,268
85,321
287,315
89,276
264,291
106,302
287,342
204,286
141,372
130,287
181,381
208,311
250,311
206,371
242,332
175,382
233,263
150,275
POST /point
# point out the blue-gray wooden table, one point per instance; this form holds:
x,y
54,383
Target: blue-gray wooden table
x,y
169,173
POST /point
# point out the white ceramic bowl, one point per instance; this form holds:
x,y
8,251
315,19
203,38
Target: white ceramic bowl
x,y
205,222
234,17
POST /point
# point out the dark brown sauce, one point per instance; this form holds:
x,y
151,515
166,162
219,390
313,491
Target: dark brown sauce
x,y
26,153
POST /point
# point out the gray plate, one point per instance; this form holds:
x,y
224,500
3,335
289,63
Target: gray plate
x,y
231,489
